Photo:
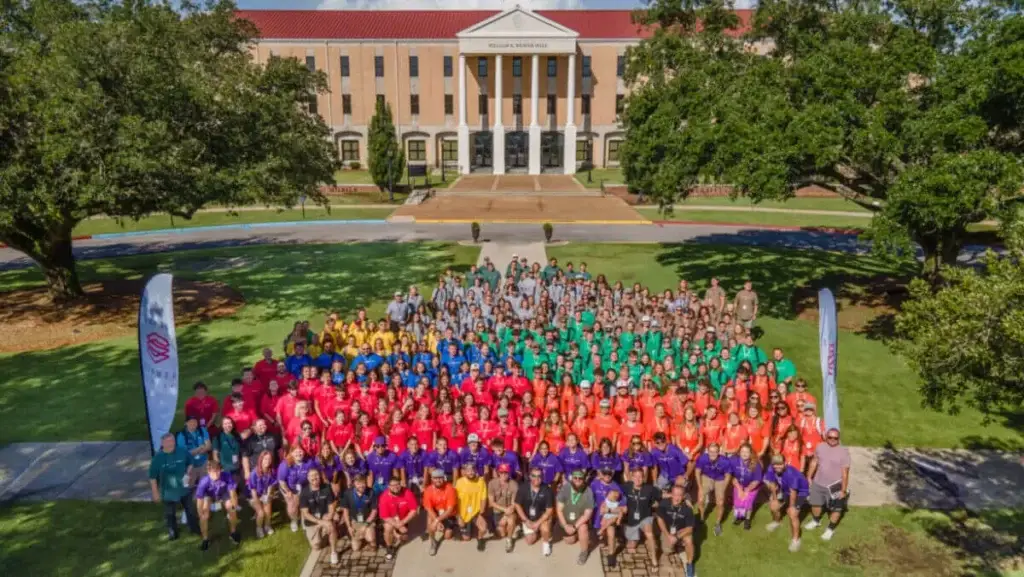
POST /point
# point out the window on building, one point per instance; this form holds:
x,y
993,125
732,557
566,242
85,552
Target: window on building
x,y
552,104
449,104
613,151
482,103
345,70
417,150
517,104
346,104
378,66
620,66
585,151
311,104
585,104
620,104
311,63
552,66
450,150
448,67
350,150
414,67
380,100
586,67
481,67
414,104
517,66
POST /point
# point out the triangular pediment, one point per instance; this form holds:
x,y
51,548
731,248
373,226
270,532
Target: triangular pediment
x,y
518,23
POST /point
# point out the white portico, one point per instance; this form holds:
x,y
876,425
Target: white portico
x,y
510,38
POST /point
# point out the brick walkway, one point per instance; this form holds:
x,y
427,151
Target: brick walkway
x,y
638,564
516,183
366,563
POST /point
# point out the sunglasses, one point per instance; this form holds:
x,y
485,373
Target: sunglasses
x,y
833,438
534,476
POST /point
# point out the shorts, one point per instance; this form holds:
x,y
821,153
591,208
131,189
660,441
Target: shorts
x,y
529,531
497,517
358,530
747,324
719,487
316,535
801,502
633,532
820,496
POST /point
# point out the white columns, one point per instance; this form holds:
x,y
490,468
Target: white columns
x,y
498,154
534,164
569,136
463,131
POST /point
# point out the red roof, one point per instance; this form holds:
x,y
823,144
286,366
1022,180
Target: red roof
x,y
428,24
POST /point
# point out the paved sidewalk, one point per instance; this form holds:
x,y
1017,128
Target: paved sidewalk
x,y
75,470
501,253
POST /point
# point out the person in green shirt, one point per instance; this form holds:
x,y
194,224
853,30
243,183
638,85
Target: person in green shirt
x,y
227,448
784,368
550,271
716,374
169,473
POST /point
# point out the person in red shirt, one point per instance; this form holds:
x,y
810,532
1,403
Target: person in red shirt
x,y
484,427
555,431
517,381
365,433
628,429
811,429
605,425
236,388
704,398
507,430
580,426
470,411
308,383
792,448
265,369
647,399
527,406
712,426
302,415
734,436
202,405
253,389
267,409
495,384
471,380
397,507
658,423
341,433
398,433
622,400
457,433
799,393
781,421
758,430
242,415
688,435
529,437
285,407
424,427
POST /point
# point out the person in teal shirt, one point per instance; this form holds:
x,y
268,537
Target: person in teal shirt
x,y
170,473
227,448
784,368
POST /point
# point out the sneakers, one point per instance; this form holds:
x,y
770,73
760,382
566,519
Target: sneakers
x,y
236,537
582,559
184,517
269,531
508,545
390,555
205,545
746,524
259,532
827,535
794,545
812,524
432,547
689,570
481,545
295,526
772,526
737,521
718,529
546,548
611,562
334,557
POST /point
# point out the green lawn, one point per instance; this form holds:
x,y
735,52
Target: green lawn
x,y
607,175
91,391
836,204
758,218
878,397
82,539
343,177
212,218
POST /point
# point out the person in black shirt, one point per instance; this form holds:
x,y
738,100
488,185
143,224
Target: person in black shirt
x,y
359,514
535,506
317,507
640,499
676,521
260,440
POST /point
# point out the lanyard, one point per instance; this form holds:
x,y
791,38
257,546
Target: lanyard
x,y
574,496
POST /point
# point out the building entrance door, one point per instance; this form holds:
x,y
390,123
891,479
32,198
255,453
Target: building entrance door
x,y
551,144
483,150
517,151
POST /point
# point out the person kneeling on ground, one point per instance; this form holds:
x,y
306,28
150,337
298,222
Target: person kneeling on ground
x,y
534,505
789,489
440,503
612,512
575,508
217,490
471,491
397,507
676,521
317,508
359,514
501,499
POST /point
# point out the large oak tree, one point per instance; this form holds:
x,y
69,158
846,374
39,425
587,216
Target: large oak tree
x,y
134,107
911,108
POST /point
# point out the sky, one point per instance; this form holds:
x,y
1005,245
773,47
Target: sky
x,y
442,4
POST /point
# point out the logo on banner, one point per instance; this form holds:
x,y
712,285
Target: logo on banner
x,y
158,347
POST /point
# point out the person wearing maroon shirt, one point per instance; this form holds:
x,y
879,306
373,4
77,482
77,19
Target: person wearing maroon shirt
x,y
202,405
241,414
265,369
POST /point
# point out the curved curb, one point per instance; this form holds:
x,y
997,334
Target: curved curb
x,y
74,238
821,229
255,225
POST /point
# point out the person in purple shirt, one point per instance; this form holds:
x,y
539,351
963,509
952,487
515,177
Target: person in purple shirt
x,y
746,480
600,486
351,465
382,464
605,458
411,465
262,480
499,455
672,466
636,457
572,455
330,464
292,473
217,490
475,454
548,463
789,489
441,458
713,471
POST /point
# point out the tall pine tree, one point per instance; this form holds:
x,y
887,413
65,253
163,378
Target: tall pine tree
x,y
385,157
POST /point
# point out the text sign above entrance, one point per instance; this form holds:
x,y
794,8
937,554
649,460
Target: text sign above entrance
x,y
519,45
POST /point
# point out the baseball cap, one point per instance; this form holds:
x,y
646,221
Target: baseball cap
x,y
474,367
606,403
810,405
778,460
436,474
504,468
606,472
398,293
622,385
473,438
380,441
585,384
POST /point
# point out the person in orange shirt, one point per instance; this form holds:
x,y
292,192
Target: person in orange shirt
x,y
687,434
658,423
704,398
580,426
792,449
628,429
762,381
440,503
584,396
540,385
811,430
604,425
622,400
742,383
555,431
799,393
677,403
551,402
781,422
734,436
647,398
758,430
711,426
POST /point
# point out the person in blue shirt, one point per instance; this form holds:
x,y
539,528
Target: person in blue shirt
x,y
295,362
443,346
367,358
422,356
789,489
328,357
713,474
672,467
453,359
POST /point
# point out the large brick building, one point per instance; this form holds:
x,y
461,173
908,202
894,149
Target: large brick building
x,y
480,91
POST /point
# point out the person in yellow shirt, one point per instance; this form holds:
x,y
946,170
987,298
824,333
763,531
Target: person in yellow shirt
x,y
359,332
471,490
382,333
332,328
433,338
350,350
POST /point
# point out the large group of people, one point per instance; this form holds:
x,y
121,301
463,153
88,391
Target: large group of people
x,y
537,402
